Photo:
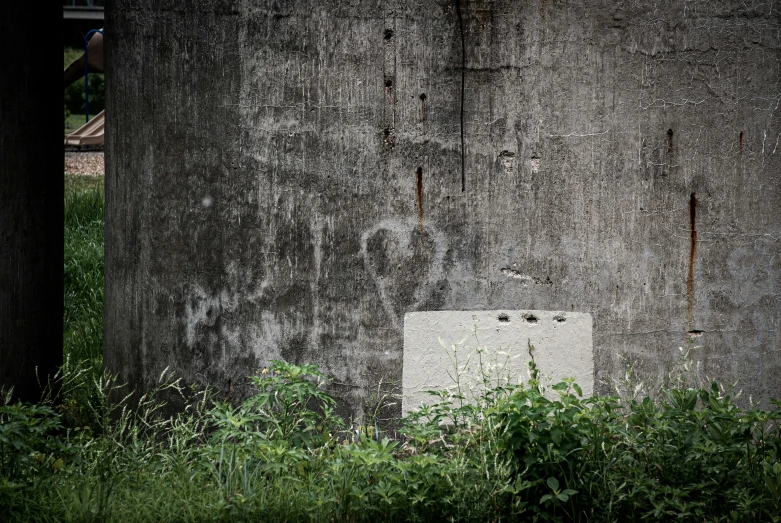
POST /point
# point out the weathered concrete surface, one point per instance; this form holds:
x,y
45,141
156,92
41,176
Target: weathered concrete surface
x,y
469,351
31,200
284,181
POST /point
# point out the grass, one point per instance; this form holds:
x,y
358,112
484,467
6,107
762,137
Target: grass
x,y
83,281
513,452
73,122
83,320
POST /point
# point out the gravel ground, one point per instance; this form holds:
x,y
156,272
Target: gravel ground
x,y
84,163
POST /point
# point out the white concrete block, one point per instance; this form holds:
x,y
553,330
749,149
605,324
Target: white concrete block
x,y
440,346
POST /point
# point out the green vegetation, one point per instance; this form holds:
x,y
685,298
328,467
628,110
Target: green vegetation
x,y
83,278
509,452
74,121
282,455
74,93
83,268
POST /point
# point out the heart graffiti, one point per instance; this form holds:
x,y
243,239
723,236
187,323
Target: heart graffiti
x,y
404,259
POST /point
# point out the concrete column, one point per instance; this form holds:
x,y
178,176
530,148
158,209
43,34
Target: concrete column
x,y
31,198
287,180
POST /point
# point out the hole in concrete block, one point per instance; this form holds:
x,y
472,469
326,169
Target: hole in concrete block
x,y
559,319
695,333
530,318
388,34
504,318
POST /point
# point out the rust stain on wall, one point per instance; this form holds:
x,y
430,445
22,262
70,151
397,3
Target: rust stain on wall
x,y
692,257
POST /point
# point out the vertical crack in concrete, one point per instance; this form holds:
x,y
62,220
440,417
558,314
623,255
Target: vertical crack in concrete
x,y
740,144
463,81
389,81
419,182
692,256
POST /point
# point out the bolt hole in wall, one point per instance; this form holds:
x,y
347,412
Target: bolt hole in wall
x,y
530,318
388,34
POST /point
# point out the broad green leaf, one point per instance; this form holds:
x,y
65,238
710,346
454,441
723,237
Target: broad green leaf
x,y
553,483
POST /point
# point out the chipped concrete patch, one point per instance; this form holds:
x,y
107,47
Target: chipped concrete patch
x,y
443,346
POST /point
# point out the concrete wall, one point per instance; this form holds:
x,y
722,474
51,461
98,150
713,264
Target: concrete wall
x,y
285,181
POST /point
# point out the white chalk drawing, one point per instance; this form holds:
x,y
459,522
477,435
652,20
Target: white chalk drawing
x,y
401,229
200,309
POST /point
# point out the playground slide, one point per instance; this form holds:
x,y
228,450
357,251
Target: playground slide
x,y
91,133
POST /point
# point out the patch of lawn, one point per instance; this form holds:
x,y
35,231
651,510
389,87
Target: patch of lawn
x,y
83,319
73,122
